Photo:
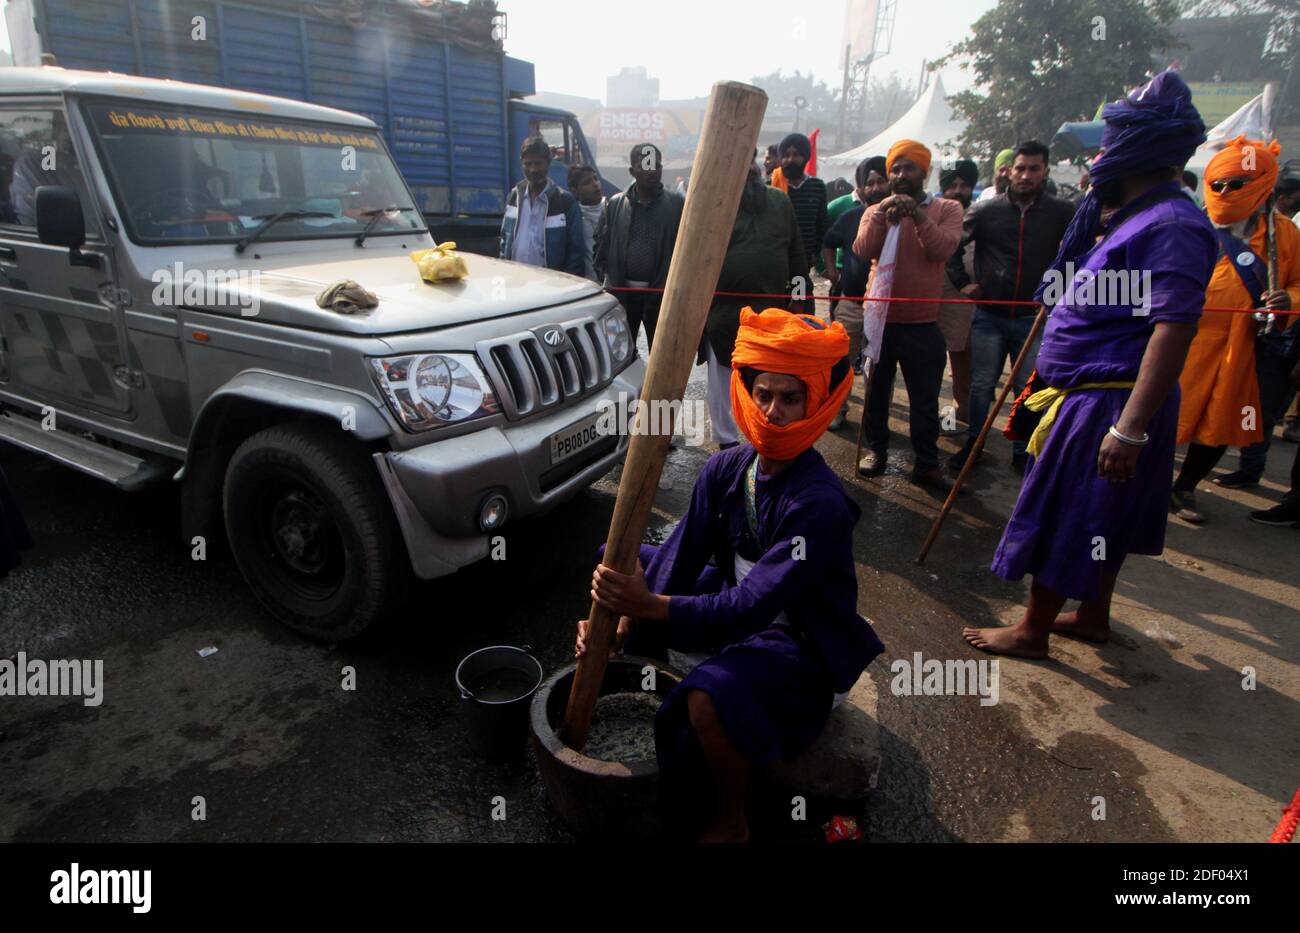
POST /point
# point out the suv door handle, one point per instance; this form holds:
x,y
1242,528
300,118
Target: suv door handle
x,y
7,253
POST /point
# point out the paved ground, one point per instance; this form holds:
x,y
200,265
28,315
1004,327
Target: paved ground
x,y
1156,723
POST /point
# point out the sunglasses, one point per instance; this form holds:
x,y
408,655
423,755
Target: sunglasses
x,y
1232,184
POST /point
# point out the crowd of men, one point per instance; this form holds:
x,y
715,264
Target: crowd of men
x,y
934,283
1197,348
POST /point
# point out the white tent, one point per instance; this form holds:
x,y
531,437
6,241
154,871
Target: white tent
x,y
930,120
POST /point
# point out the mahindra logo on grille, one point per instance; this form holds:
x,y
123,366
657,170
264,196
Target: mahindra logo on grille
x,y
553,337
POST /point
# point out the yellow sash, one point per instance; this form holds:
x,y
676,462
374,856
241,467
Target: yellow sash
x,y
1051,399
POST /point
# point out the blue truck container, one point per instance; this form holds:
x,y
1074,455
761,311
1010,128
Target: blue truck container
x,y
433,76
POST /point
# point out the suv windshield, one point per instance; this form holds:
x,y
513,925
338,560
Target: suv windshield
x,y
190,176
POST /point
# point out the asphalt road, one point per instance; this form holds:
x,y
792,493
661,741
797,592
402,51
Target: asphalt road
x,y
263,732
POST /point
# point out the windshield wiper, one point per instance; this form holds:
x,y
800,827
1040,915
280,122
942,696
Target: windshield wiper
x,y
270,220
374,219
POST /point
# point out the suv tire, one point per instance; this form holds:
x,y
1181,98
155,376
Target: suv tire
x,y
312,530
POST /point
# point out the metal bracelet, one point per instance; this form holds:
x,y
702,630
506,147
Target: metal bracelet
x,y
1131,441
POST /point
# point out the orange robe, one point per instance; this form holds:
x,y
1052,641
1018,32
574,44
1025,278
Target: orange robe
x,y
1219,385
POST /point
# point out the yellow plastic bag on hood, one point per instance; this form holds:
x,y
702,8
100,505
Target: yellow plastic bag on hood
x,y
440,264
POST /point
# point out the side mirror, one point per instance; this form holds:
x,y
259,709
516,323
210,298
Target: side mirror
x,y
59,222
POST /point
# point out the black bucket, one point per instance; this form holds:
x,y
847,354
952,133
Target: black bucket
x,y
496,687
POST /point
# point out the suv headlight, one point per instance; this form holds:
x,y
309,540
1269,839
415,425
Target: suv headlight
x,y
618,335
430,390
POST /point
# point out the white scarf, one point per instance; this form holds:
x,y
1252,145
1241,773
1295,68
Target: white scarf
x,y
875,309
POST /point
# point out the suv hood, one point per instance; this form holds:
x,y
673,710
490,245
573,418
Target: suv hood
x,y
283,290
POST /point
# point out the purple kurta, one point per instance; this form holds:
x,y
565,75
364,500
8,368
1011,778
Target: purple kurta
x,y
1066,510
771,680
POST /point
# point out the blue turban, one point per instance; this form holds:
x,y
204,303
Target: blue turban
x,y
1154,127
800,143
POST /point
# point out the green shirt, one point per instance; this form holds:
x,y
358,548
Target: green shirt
x,y
833,210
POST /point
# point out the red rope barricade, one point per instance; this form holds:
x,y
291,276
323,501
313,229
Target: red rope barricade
x,y
952,301
1285,830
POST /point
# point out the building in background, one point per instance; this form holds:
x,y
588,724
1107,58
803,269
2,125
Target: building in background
x,y
1227,61
632,87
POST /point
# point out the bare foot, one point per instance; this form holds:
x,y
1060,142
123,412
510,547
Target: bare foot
x,y
726,832
1014,640
1070,625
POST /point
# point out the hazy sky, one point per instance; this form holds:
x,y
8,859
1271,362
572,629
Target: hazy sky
x,y
689,44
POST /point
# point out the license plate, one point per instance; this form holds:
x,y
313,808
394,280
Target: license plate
x,y
574,439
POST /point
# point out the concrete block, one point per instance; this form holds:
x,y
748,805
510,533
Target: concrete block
x,y
844,762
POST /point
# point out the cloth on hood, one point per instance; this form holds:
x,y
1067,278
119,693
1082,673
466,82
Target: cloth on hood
x,y
964,169
1250,158
346,297
911,150
798,345
801,143
1003,159
440,264
1156,126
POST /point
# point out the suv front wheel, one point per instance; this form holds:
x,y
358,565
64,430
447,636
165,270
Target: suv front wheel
x,y
312,530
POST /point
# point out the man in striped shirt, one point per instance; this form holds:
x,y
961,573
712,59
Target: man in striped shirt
x,y
808,195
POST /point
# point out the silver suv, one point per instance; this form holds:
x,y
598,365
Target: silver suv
x,y
162,247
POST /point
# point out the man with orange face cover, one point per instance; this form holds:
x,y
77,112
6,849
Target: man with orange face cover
x,y
1221,398
759,574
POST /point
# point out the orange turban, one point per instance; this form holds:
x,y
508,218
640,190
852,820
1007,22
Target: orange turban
x,y
1241,158
909,149
799,345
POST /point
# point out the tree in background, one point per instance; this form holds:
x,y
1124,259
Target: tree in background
x,y
887,99
823,103
1040,63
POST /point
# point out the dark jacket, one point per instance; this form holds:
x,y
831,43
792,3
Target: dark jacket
x,y
855,273
615,222
764,251
566,247
1013,248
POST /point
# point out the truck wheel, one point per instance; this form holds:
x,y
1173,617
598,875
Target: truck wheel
x,y
312,530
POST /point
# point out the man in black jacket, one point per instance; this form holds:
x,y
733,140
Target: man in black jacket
x,y
1016,238
635,237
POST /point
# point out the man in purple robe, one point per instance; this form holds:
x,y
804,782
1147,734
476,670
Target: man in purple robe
x,y
759,574
1124,310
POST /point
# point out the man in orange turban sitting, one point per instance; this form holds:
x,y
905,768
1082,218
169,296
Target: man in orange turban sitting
x,y
759,574
1221,398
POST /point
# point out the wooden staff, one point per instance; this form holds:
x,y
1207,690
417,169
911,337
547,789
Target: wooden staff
x,y
868,373
1271,242
1039,321
1270,252
722,162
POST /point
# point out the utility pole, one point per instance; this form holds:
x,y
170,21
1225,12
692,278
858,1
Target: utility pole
x,y
853,98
